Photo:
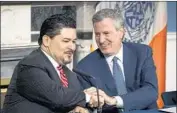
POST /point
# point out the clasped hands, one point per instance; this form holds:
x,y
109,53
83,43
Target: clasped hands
x,y
103,98
93,102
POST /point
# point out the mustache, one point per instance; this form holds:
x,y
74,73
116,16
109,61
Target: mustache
x,y
69,52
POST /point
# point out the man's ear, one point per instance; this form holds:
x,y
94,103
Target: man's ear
x,y
121,32
46,40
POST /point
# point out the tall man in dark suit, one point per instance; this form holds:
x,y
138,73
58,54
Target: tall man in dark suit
x,y
125,72
41,83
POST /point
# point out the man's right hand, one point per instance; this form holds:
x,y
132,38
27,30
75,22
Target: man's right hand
x,y
93,102
107,99
79,109
90,90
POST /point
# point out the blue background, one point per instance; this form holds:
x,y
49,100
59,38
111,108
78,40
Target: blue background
x,y
171,20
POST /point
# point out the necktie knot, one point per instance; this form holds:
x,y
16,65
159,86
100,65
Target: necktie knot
x,y
115,59
59,67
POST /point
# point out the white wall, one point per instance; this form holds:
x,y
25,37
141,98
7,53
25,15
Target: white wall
x,y
16,26
171,62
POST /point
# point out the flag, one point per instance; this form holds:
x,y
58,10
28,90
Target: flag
x,y
146,23
158,44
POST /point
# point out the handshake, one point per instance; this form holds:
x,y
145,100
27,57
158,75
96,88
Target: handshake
x,y
93,100
103,98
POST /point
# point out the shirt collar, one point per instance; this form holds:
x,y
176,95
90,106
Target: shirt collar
x,y
54,63
119,55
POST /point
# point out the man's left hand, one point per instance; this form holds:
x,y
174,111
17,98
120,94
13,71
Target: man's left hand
x,y
108,100
79,109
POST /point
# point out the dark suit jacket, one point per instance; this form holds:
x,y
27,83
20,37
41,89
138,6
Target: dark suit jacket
x,y
139,71
35,87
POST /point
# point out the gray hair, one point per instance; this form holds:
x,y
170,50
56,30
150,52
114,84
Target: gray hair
x,y
109,13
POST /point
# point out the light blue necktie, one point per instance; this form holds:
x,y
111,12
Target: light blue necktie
x,y
118,77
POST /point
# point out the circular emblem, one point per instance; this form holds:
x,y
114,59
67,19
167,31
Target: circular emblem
x,y
138,18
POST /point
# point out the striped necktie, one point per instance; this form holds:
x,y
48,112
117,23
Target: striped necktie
x,y
63,78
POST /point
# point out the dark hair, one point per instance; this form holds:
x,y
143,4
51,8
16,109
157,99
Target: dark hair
x,y
53,25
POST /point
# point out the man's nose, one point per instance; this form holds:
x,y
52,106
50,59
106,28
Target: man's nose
x,y
102,38
72,46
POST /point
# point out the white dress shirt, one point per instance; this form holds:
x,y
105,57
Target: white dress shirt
x,y
119,55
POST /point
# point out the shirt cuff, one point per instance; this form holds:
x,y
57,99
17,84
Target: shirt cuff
x,y
87,98
120,103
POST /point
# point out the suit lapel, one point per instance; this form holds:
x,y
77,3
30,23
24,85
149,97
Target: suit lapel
x,y
53,73
68,73
73,82
107,80
129,63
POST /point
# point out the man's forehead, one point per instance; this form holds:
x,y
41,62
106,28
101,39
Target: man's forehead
x,y
68,33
